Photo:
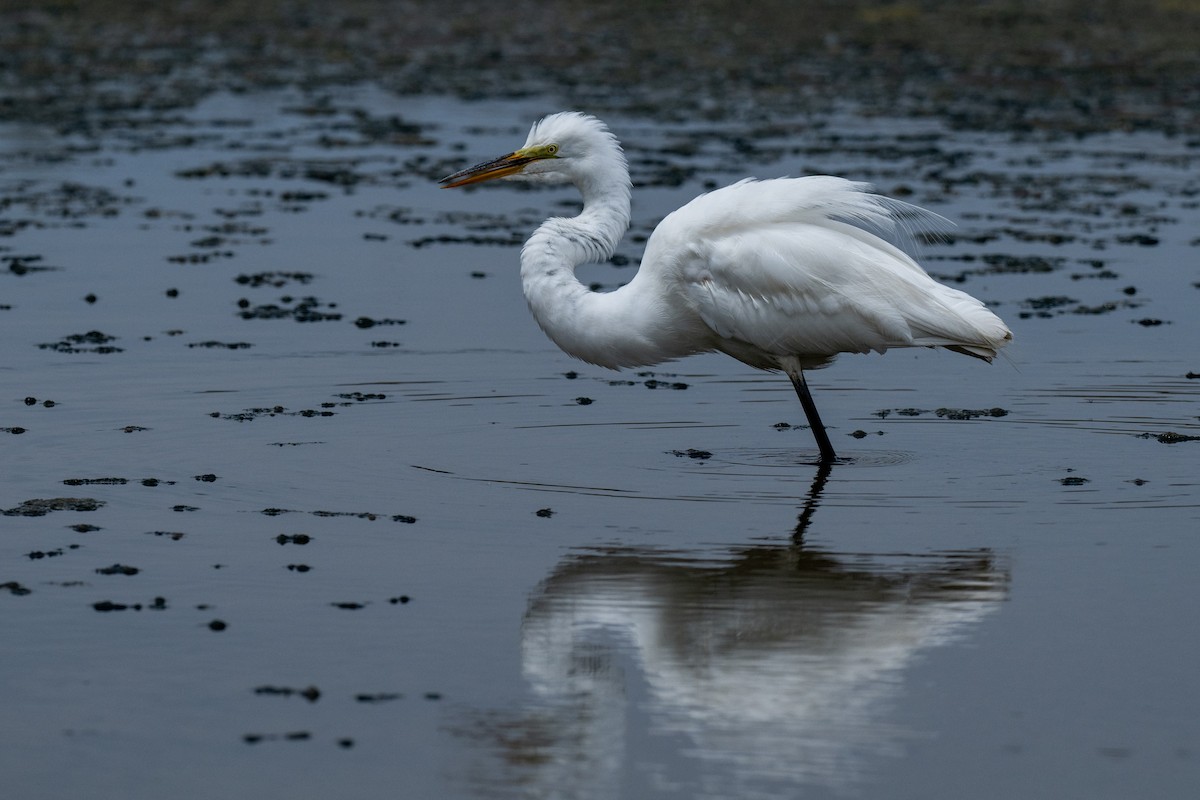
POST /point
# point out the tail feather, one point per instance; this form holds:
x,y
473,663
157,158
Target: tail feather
x,y
982,353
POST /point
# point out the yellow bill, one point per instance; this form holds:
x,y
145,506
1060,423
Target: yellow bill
x,y
500,167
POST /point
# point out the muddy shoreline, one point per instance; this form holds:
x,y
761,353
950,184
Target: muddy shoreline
x,y
1070,67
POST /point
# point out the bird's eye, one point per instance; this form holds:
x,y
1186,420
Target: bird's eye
x,y
551,149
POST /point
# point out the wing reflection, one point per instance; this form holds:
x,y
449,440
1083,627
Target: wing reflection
x,y
732,675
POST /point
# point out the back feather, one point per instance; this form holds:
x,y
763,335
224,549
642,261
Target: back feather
x,y
794,267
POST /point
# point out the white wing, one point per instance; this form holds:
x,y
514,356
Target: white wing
x,y
776,269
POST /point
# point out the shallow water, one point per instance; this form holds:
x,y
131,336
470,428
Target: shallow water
x,y
442,575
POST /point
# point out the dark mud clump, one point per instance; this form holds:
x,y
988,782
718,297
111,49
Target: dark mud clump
x,y
309,693
377,697
41,507
105,606
1048,302
251,414
943,413
367,322
1170,437
294,736
305,539
20,265
118,569
304,309
274,279
37,555
90,342
514,239
150,482
108,605
970,413
1052,305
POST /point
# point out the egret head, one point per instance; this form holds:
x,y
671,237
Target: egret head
x,y
567,147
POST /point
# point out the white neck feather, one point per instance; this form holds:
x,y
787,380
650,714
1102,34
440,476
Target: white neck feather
x,y
613,329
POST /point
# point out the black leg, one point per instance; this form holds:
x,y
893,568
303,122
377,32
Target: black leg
x,y
814,419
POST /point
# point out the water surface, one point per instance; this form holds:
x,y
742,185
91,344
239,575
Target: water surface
x,y
382,548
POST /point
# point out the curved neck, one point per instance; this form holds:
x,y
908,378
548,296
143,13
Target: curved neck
x,y
631,326
581,322
562,242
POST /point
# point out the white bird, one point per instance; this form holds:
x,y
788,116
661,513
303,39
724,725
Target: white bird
x,y
781,274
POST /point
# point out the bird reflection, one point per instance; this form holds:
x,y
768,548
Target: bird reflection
x,y
731,675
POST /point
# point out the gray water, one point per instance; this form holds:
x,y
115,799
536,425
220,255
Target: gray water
x,y
401,558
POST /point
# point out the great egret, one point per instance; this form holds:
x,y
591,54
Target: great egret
x,y
776,273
